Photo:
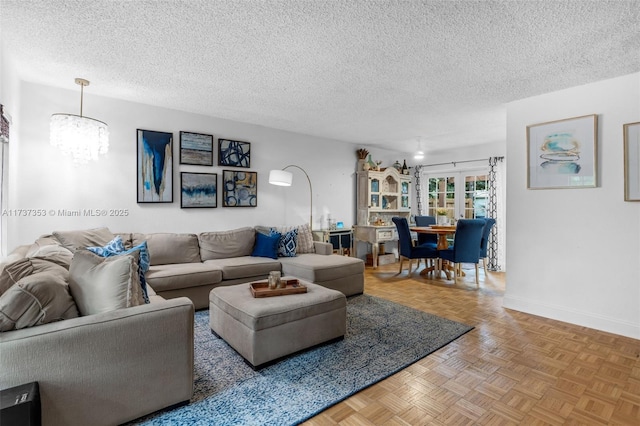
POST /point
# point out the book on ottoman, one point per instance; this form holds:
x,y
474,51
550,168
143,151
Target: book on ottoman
x,y
20,405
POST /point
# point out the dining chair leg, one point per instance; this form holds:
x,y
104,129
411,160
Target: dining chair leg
x,y
410,264
400,258
477,282
484,263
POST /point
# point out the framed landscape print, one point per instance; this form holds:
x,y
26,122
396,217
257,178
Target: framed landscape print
x,y
196,148
631,161
155,166
234,153
563,153
198,190
240,189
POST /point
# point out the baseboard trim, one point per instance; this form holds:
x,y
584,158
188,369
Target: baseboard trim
x,y
583,319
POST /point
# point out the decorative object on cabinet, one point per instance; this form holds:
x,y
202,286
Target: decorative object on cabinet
x,y
239,188
405,169
198,190
284,178
563,153
81,137
234,153
155,166
196,149
362,158
632,161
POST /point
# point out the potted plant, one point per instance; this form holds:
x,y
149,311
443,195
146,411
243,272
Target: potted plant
x,y
441,212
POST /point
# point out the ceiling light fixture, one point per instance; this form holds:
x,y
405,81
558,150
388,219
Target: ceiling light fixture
x,y
81,137
419,155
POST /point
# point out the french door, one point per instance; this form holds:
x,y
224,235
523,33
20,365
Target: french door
x,y
462,194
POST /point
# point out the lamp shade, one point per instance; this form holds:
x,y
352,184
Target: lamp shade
x,y
81,137
280,177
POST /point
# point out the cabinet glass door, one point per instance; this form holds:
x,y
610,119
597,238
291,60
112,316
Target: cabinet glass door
x,y
374,194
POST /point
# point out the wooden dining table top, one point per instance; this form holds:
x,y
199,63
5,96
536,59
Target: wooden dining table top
x,y
434,229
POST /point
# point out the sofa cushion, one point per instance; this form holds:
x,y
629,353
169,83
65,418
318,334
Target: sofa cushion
x,y
182,275
168,248
244,267
37,298
266,245
220,245
318,268
73,240
103,284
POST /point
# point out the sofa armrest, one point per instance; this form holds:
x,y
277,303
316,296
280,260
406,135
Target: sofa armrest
x,y
323,248
107,368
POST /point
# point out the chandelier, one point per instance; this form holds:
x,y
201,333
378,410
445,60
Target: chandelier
x,y
82,138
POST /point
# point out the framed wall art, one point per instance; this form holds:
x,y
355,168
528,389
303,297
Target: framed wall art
x,y
240,189
234,153
631,161
155,166
196,149
198,190
563,153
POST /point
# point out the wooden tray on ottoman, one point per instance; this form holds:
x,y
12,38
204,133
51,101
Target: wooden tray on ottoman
x,y
261,288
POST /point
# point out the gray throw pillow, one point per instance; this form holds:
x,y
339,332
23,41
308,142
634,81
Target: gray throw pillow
x,y
39,298
103,284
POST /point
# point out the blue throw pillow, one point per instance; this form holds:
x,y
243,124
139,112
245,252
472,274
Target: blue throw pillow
x,y
115,247
266,245
112,248
288,243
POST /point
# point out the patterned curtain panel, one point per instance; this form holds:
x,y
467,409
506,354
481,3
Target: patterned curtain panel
x,y
494,210
416,175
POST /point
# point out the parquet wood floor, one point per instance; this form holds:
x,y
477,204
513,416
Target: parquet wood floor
x,y
512,369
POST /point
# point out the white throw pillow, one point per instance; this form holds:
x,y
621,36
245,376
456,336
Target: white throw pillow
x,y
103,284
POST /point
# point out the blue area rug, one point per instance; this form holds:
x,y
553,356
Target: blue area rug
x,y
382,338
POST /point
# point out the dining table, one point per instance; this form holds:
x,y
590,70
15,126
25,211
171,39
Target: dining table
x,y
443,232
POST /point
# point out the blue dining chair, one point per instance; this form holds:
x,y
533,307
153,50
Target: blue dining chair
x,y
405,245
466,245
431,239
484,243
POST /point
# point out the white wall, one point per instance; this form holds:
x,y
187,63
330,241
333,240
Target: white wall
x,y
574,254
45,179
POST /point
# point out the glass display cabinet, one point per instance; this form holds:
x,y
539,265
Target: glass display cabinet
x,y
381,195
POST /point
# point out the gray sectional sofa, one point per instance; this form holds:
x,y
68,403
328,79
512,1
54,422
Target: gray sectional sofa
x,y
112,367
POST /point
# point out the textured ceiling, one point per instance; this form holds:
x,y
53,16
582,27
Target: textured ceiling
x,y
364,71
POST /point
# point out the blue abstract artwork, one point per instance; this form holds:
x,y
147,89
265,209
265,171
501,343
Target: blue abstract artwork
x,y
240,189
198,190
155,167
234,153
196,148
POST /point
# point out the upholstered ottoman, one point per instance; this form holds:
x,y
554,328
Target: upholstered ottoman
x,y
268,328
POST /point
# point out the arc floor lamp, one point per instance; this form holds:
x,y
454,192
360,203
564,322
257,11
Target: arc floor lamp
x,y
284,178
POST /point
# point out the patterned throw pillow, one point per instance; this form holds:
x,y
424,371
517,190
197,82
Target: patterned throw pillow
x,y
115,247
305,239
288,243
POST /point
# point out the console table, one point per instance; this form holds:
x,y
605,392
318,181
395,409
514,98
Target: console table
x,y
374,235
336,237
